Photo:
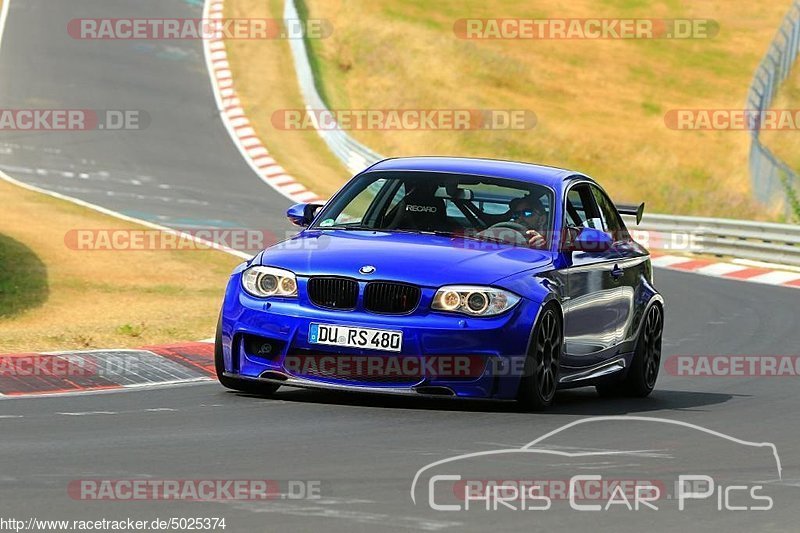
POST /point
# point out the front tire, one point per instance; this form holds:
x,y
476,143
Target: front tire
x,y
539,382
242,385
641,378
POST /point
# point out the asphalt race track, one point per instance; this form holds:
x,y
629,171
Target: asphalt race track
x,y
180,170
363,450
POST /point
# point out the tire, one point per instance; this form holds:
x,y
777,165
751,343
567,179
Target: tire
x,y
538,385
242,385
641,378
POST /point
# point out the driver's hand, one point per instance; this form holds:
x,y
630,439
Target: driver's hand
x,y
535,239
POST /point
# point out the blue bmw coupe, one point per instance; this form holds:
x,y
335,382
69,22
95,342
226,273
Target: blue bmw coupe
x,y
436,276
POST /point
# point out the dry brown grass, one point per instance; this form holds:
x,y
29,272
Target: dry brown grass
x,y
90,299
600,104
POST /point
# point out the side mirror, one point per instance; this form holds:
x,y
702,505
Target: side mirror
x,y
591,240
302,214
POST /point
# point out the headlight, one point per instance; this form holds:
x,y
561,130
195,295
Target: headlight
x,y
474,300
262,282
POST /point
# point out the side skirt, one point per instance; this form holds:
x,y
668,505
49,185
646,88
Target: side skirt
x,y
583,377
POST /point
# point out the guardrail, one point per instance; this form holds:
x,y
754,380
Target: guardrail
x,y
771,177
760,241
776,243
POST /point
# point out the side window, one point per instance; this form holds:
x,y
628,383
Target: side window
x,y
582,211
576,214
612,222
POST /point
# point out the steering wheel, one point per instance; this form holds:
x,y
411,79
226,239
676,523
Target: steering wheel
x,y
515,226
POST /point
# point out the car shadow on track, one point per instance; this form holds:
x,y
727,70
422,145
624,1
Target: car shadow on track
x,y
569,402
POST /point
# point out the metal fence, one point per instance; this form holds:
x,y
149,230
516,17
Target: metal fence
x,y
770,176
778,243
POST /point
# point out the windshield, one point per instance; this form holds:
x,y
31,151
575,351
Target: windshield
x,y
471,206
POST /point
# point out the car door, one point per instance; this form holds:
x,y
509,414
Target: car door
x,y
630,260
593,310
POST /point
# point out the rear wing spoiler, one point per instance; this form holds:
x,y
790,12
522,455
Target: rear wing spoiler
x,y
634,210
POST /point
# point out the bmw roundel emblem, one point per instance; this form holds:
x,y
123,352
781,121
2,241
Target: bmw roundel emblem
x,y
367,269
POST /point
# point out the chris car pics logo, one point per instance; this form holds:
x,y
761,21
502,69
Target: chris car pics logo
x,y
648,473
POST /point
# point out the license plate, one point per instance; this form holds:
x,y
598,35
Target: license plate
x,y
353,337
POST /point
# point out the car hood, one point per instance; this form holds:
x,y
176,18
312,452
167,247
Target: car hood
x,y
421,259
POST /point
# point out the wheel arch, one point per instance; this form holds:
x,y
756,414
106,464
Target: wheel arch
x,y
658,300
551,301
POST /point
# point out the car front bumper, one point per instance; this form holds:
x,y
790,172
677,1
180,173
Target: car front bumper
x,y
267,340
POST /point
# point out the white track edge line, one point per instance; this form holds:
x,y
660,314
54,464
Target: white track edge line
x,y
126,218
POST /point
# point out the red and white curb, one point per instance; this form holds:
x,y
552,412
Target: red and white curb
x,y
83,371
735,269
236,121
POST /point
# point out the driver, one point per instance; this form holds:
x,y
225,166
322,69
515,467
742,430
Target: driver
x,y
526,216
530,212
